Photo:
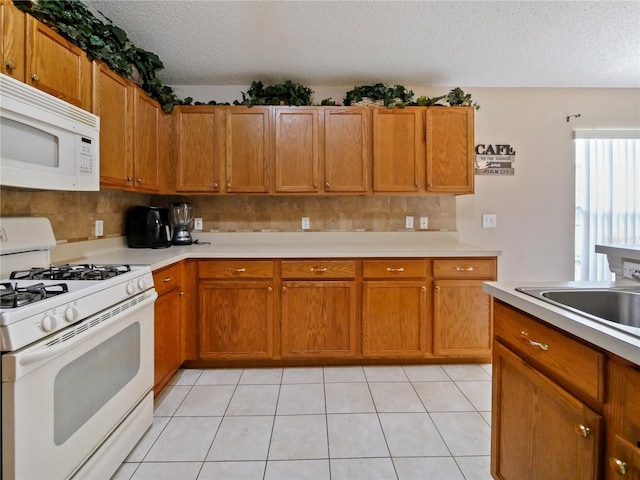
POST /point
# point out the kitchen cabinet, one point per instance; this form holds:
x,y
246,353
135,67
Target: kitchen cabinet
x,y
148,150
347,149
168,328
622,414
318,301
246,133
398,150
198,149
236,309
113,103
462,313
540,431
14,37
296,155
56,66
450,149
395,308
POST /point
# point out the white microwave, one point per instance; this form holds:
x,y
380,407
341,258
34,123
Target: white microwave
x,y
46,143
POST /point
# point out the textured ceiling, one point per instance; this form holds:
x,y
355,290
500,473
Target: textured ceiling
x,y
435,43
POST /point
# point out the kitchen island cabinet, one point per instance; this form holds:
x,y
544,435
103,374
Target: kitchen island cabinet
x,y
236,309
318,299
396,319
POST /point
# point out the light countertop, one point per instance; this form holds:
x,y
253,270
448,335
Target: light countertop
x,y
625,344
275,245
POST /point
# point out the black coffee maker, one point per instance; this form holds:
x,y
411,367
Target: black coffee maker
x,y
181,220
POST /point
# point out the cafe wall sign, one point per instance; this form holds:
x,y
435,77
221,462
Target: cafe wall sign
x,y
495,159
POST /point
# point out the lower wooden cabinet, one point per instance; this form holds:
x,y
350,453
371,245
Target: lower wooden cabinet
x,y
236,309
168,352
540,431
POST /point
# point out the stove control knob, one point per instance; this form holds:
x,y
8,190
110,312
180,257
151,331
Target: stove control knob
x,y
48,323
131,289
71,314
142,284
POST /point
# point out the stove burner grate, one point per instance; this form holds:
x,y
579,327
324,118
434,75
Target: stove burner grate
x,y
13,296
71,272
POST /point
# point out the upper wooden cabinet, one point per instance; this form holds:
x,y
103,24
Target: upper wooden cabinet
x,y
56,66
246,133
347,149
198,149
398,149
147,149
14,28
296,155
450,146
113,103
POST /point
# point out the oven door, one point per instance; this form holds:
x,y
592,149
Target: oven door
x,y
64,396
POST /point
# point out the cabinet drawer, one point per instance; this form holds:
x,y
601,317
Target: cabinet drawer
x,y
395,268
318,268
167,278
573,363
469,267
236,269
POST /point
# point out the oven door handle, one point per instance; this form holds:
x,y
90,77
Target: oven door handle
x,y
46,353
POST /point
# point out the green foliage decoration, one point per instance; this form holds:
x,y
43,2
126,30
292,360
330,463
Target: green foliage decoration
x,y
287,93
455,98
392,96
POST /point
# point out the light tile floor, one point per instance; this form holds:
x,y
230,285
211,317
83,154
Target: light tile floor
x,y
426,422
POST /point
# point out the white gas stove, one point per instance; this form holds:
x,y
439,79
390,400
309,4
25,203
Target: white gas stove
x,y
77,358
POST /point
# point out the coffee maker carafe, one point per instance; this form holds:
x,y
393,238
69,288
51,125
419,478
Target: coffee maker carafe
x,y
181,217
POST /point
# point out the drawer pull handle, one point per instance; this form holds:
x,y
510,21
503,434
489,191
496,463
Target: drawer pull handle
x,y
318,269
464,269
583,431
237,270
393,270
525,335
618,466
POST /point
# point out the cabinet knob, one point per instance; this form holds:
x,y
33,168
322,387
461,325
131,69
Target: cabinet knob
x,y
318,269
228,184
423,288
129,179
269,289
139,180
618,466
216,186
327,185
284,289
10,65
34,77
395,270
180,293
314,185
542,346
583,431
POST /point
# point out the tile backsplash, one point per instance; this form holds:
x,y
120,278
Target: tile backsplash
x,y
73,214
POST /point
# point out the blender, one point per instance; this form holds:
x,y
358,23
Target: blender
x,y
181,218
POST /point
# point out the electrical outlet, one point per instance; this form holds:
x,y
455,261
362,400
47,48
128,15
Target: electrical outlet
x,y
305,223
197,224
489,220
408,222
424,223
629,269
99,228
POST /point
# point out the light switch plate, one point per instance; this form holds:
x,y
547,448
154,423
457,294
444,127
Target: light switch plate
x,y
305,223
99,228
489,220
424,223
408,222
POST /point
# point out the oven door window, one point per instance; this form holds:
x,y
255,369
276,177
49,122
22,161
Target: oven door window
x,y
85,385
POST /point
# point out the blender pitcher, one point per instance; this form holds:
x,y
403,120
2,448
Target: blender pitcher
x,y
181,218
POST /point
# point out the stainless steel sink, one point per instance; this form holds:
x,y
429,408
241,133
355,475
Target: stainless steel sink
x,y
617,305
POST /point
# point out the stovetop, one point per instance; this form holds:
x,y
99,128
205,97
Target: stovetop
x,y
71,272
12,295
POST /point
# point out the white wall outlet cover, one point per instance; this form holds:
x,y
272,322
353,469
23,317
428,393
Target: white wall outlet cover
x,y
99,228
489,220
408,222
305,223
197,224
424,223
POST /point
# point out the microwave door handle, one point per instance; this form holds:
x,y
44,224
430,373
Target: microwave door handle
x,y
30,358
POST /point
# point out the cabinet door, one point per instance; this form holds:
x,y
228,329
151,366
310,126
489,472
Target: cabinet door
x,y
167,350
56,66
246,149
295,149
146,146
113,103
450,137
236,319
462,316
398,149
318,319
623,460
198,149
347,149
14,35
539,430
394,318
